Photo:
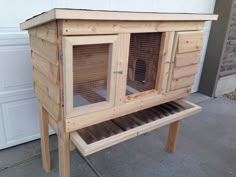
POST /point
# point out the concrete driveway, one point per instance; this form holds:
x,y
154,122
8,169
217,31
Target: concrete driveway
x,y
206,148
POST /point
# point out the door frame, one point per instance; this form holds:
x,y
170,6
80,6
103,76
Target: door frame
x,y
68,43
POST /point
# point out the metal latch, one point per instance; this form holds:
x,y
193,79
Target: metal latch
x,y
118,72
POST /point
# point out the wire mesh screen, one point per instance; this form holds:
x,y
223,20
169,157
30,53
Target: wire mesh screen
x,y
143,60
90,69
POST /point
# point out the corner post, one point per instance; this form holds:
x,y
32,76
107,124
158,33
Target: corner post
x,y
173,136
45,148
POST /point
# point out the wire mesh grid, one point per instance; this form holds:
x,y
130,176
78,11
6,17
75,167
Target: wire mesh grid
x,y
90,69
143,60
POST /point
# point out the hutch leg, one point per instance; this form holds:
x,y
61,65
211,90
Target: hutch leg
x,y
64,154
72,146
173,136
45,149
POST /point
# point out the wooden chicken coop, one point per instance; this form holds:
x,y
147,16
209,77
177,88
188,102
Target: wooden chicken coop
x,y
105,77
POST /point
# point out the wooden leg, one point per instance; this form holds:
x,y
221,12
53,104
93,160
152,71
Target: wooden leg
x,y
72,146
64,154
45,149
173,135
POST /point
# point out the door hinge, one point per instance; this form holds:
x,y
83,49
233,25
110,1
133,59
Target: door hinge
x,y
62,97
61,58
118,72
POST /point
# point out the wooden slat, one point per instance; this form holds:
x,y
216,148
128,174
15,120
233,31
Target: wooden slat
x,y
87,137
73,27
113,127
122,65
118,16
48,103
129,16
190,41
48,69
185,71
52,90
185,59
164,59
46,31
171,62
45,49
182,82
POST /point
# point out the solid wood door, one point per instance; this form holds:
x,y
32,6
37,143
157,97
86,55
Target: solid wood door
x,y
186,56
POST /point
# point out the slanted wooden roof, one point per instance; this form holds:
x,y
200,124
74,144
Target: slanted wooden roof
x,y
110,15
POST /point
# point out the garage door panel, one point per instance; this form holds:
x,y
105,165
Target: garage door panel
x,y
21,122
15,68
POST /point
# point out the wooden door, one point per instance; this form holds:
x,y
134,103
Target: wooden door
x,y
89,73
146,66
185,60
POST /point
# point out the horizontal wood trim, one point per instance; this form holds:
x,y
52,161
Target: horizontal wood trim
x,y
45,49
73,27
185,59
52,108
185,71
190,41
52,90
109,15
77,122
48,69
47,32
182,82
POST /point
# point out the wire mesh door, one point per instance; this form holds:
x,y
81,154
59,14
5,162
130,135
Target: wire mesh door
x,y
143,63
89,80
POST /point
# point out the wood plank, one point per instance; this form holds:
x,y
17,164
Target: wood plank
x,y
92,74
75,27
185,59
47,102
164,61
141,95
173,135
46,32
87,137
171,62
122,65
106,15
129,16
45,149
53,123
48,69
77,122
113,127
185,71
190,41
45,49
182,82
52,90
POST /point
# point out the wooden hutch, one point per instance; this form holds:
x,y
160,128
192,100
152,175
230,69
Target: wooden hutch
x,y
104,77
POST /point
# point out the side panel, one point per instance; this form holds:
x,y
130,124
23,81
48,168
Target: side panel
x,y
45,61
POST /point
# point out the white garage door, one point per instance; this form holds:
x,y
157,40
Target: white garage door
x,y
18,106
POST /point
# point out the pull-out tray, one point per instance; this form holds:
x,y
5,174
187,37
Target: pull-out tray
x,y
100,136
